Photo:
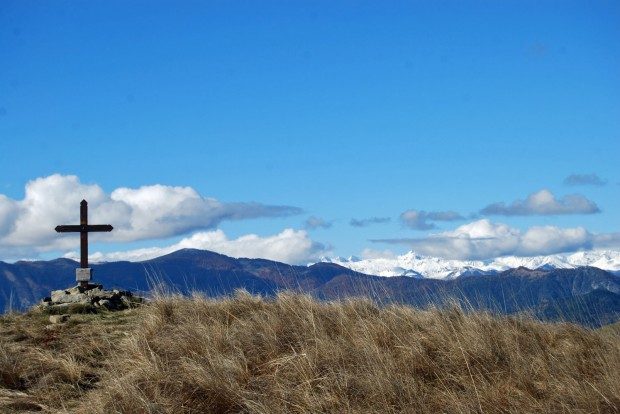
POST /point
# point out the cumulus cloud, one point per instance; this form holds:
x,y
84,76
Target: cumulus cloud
x,y
420,220
370,254
484,239
148,212
543,203
289,246
368,221
313,223
584,179
607,240
8,212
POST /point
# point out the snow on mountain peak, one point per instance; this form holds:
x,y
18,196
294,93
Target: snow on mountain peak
x,y
414,264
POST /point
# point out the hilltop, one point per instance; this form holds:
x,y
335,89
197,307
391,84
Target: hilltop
x,y
295,354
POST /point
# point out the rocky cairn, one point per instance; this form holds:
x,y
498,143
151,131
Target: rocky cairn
x,y
89,299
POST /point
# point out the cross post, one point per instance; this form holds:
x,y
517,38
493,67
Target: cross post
x,y
84,273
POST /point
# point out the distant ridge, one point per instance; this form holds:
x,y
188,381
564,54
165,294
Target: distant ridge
x,y
412,263
591,294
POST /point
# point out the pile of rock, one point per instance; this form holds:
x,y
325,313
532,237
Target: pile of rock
x,y
88,299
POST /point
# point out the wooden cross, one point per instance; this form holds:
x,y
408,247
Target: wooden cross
x,y
83,274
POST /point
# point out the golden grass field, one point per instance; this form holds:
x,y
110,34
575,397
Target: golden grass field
x,y
293,354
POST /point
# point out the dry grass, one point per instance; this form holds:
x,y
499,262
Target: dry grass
x,y
297,355
47,367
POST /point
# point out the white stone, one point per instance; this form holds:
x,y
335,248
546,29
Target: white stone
x,y
61,296
83,274
59,318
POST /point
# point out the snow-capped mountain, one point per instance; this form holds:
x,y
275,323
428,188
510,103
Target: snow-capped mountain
x,y
416,265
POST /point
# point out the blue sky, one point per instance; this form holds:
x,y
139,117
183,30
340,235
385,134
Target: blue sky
x,y
345,110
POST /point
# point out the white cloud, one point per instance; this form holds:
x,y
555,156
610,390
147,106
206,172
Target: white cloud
x,y
313,223
372,254
585,179
289,246
8,211
148,212
549,239
543,203
607,240
484,239
368,221
420,220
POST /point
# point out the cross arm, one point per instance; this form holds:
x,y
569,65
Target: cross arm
x,y
99,227
69,229
77,228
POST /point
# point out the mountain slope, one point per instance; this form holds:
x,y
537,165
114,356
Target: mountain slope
x,y
515,290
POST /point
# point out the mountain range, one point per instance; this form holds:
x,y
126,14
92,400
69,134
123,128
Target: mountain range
x,y
417,265
586,295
